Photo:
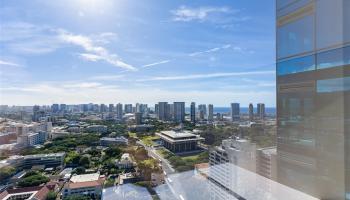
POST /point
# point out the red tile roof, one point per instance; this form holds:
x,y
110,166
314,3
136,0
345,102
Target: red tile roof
x,y
84,184
42,193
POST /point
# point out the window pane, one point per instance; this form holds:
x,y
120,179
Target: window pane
x,y
296,65
334,58
296,37
333,85
283,3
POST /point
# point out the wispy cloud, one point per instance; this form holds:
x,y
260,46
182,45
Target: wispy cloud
x,y
186,14
203,76
156,63
107,77
28,38
94,52
8,63
226,46
197,53
82,85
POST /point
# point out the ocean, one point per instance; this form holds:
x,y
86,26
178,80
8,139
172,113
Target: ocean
x,y
244,110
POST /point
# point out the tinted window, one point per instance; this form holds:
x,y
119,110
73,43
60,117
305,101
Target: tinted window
x,y
333,58
296,65
333,85
295,37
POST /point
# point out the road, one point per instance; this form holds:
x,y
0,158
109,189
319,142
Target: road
x,y
167,168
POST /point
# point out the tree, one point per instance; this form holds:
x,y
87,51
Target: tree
x,y
77,197
112,152
72,158
31,173
51,196
80,170
6,172
34,180
84,161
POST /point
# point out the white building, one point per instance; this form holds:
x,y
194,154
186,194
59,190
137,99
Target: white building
x,y
97,128
89,185
125,162
32,139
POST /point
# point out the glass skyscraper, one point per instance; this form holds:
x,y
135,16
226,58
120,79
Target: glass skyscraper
x,y
313,96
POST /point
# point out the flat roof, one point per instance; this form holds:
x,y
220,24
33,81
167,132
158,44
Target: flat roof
x,y
178,137
45,155
84,184
85,178
269,150
175,135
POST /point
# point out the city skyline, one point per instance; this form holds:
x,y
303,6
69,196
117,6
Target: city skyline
x,y
123,51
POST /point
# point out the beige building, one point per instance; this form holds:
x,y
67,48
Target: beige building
x,y
87,184
266,162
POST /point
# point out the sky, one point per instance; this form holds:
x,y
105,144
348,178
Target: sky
x,y
128,51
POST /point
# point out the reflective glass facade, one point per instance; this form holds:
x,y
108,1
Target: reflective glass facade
x,y
333,58
313,96
296,65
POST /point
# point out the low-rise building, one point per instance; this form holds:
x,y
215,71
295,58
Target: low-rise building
x,y
157,178
32,139
125,162
141,128
97,128
6,138
108,141
180,141
127,178
30,161
266,162
32,193
89,185
237,151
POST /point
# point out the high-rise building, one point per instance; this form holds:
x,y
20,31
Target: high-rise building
x,y
119,109
235,110
55,108
179,112
138,118
36,113
193,112
103,108
156,109
163,111
171,111
260,110
251,112
313,96
110,108
63,107
210,112
137,107
128,108
202,109
143,108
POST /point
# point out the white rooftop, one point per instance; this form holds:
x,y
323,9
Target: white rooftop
x,y
174,134
85,178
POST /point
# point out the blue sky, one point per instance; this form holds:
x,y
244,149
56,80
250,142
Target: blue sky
x,y
110,51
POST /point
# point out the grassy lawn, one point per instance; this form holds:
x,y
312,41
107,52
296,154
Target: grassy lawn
x,y
109,182
148,140
131,134
183,163
191,158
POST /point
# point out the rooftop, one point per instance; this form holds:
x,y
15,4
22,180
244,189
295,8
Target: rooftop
x,y
84,184
85,178
175,135
269,150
